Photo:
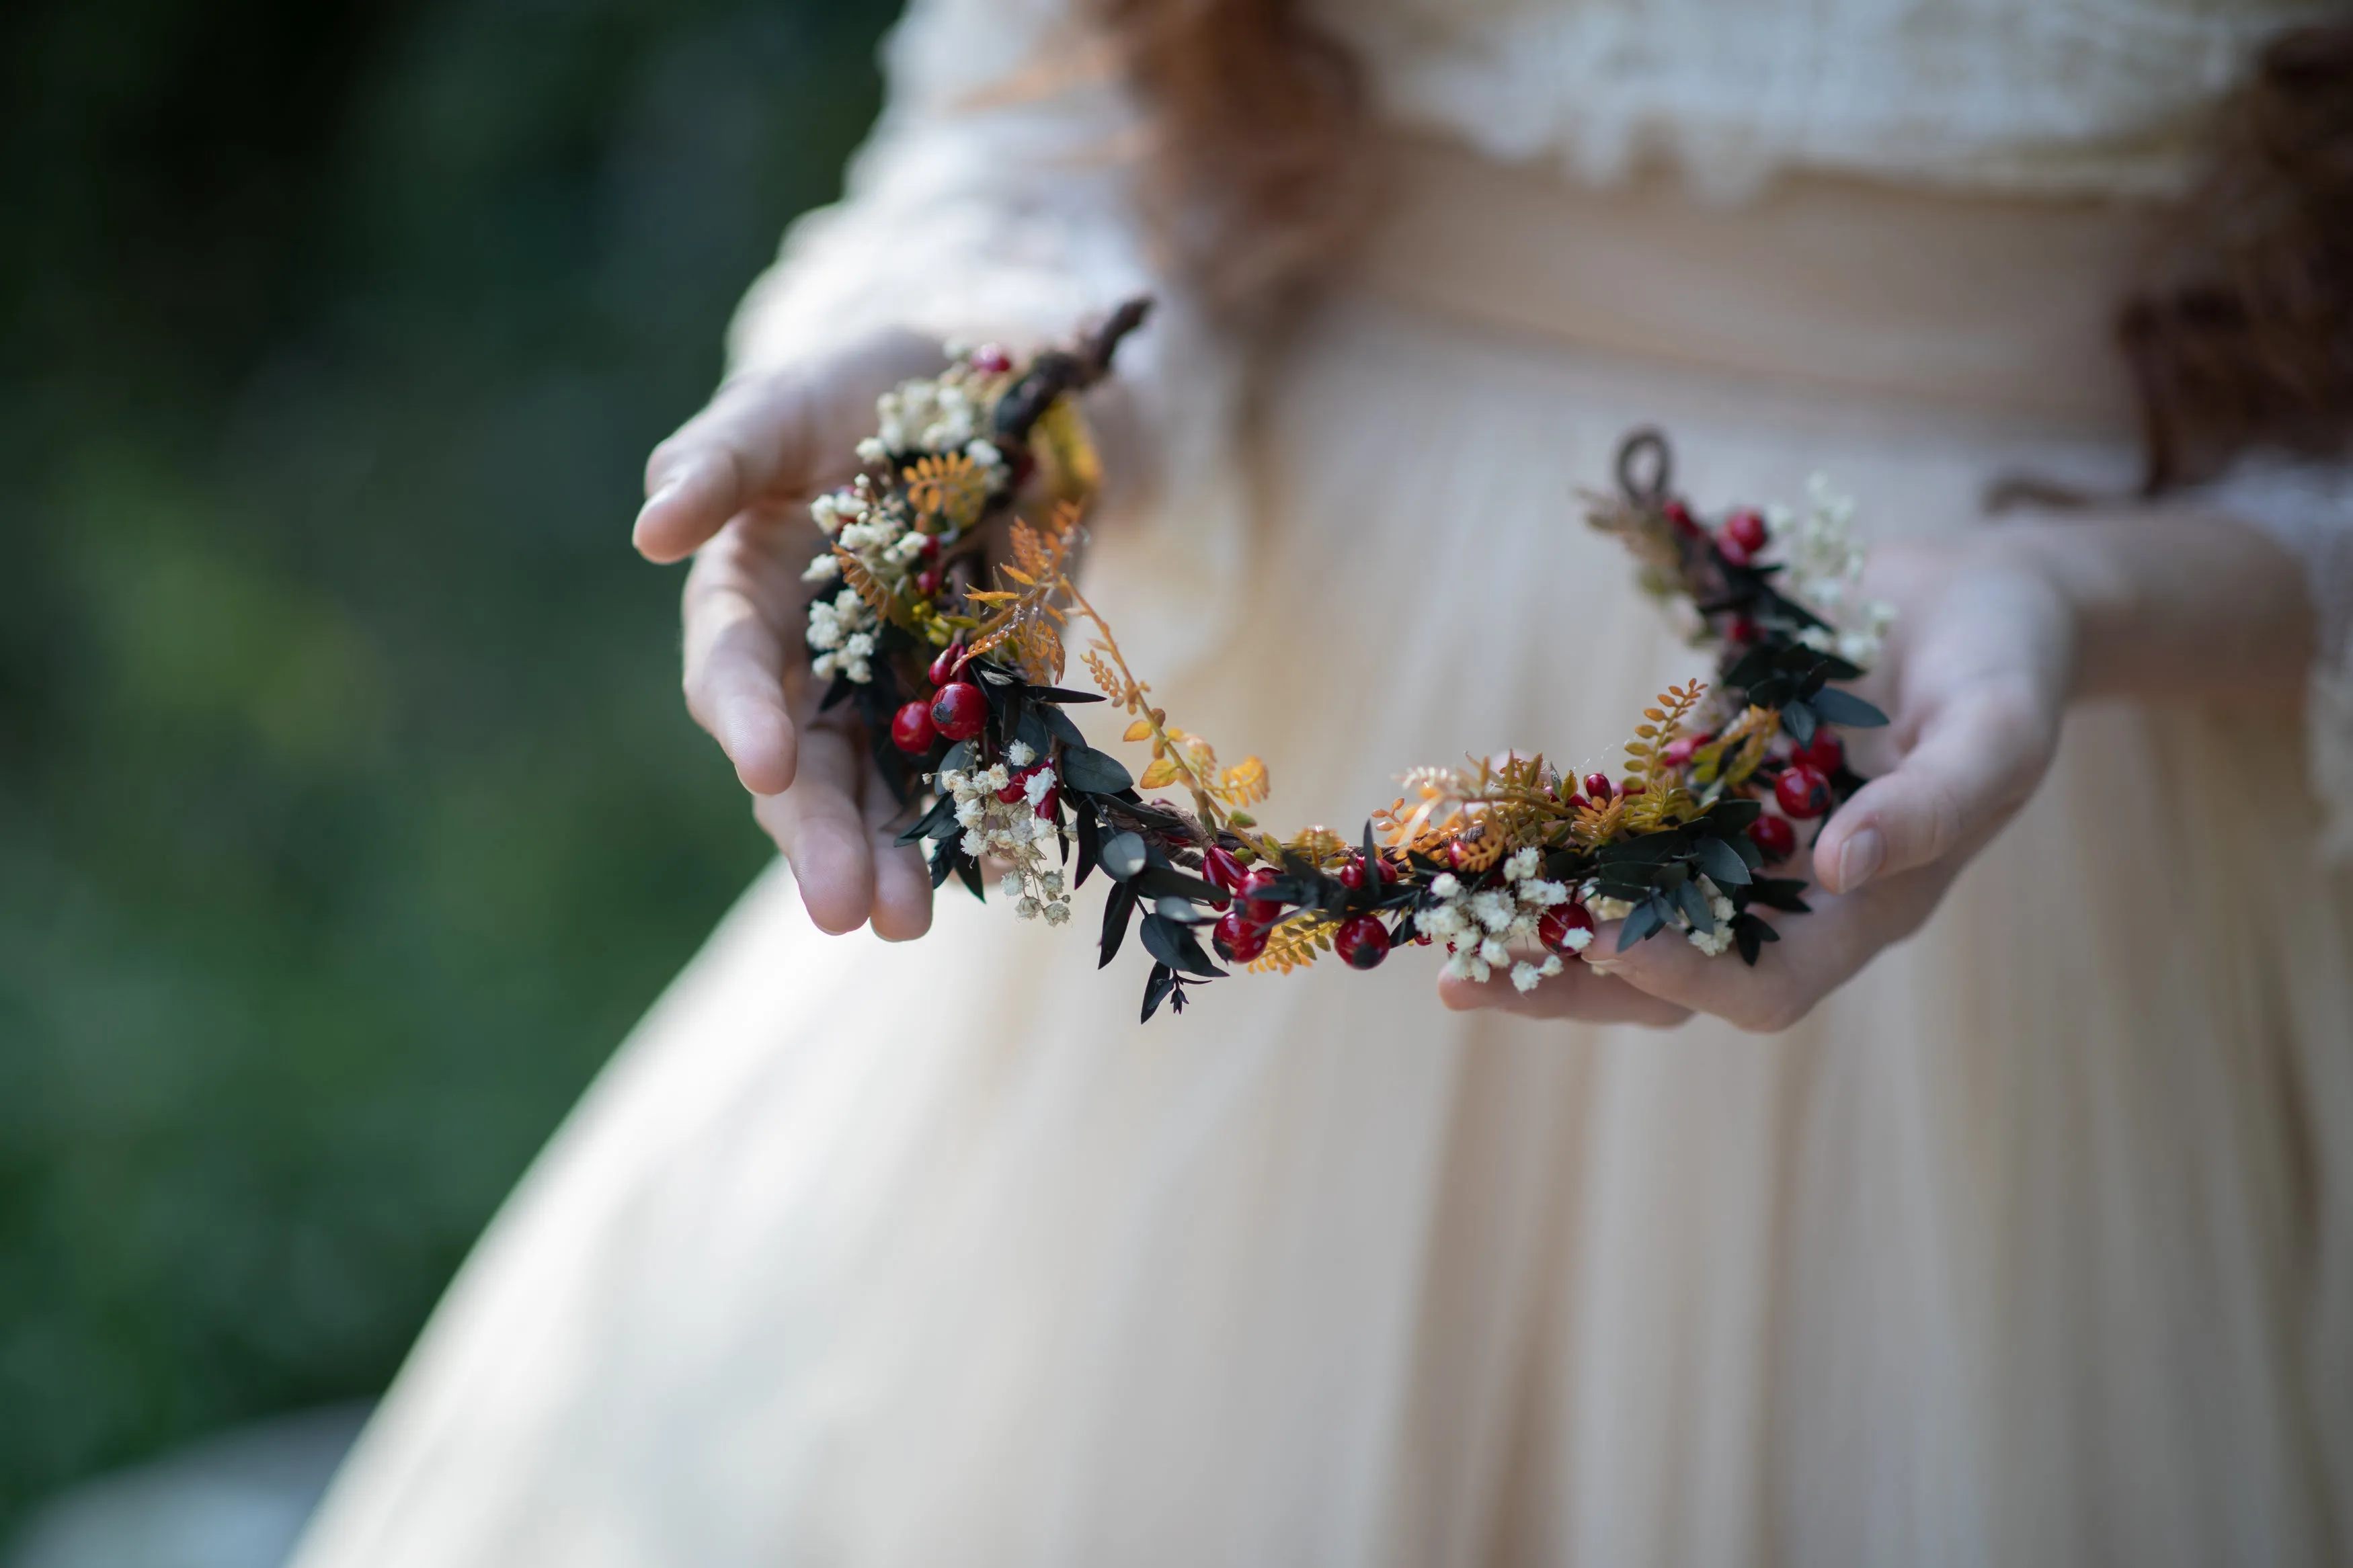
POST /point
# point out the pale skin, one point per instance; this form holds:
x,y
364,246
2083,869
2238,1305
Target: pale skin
x,y
1998,633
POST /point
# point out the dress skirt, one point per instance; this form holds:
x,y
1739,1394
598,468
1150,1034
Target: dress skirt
x,y
2029,1245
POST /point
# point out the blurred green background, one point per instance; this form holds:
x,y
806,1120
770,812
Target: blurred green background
x,y
348,815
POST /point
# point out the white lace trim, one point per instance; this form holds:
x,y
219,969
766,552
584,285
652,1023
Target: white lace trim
x,y
2057,97
2308,508
985,206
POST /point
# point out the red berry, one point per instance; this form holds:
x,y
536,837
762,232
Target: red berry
x,y
1239,939
1560,920
929,545
1679,518
958,710
1823,753
1459,854
1261,910
1363,942
1223,871
1678,752
1734,554
945,668
1742,631
1046,802
1577,803
1352,875
1801,792
911,728
1015,787
1775,836
1746,530
990,359
1632,789
928,583
1598,786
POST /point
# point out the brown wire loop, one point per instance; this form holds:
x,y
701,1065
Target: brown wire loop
x,y
1643,449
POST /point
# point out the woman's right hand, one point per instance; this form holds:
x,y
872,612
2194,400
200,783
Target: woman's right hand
x,y
732,488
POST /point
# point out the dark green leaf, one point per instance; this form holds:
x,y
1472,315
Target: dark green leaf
x,y
1167,881
970,871
1085,768
1056,694
1644,920
1695,908
1117,907
1798,719
1722,862
1090,834
1178,948
958,758
942,811
1845,707
1058,723
1156,988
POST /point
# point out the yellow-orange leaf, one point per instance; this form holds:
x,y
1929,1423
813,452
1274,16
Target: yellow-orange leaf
x,y
1139,730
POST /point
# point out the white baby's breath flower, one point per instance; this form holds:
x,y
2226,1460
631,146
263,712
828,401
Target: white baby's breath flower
x,y
1524,976
1039,786
1608,908
1492,909
1552,964
1027,908
1523,863
872,450
984,453
993,777
1578,941
1012,886
1019,754
1052,882
824,568
1495,952
1445,886
1057,912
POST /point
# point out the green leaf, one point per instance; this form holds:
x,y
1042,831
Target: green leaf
x,y
1845,707
1178,948
1723,863
1645,919
943,810
1156,988
1116,910
1167,881
1798,719
1085,768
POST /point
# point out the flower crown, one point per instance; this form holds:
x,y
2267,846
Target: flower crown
x,y
948,635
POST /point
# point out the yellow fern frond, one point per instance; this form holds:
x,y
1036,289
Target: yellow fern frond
x,y
1294,945
1244,783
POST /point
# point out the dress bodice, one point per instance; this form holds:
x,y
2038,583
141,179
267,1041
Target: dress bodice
x,y
2064,97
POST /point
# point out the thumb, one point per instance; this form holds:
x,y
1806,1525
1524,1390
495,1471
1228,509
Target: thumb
x,y
1977,761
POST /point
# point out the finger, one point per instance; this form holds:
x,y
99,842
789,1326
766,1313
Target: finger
x,y
903,880
765,437
1978,759
734,671
820,827
1575,993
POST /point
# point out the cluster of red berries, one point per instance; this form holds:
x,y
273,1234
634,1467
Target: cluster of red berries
x,y
1801,788
1241,933
956,708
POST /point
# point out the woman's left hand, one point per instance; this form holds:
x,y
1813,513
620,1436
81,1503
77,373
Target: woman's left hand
x,y
1976,674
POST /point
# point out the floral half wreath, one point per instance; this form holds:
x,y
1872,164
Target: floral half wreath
x,y
1506,862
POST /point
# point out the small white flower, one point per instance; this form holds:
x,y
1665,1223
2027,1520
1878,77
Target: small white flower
x,y
1608,908
1552,966
1057,912
1012,886
985,454
1027,908
1052,882
1445,886
1523,863
871,450
993,778
1543,893
1039,786
968,812
1019,754
824,568
1578,941
1524,977
860,646
973,844
1495,952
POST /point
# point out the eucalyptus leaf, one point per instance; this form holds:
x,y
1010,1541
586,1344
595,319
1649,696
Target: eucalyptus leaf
x,y
1056,694
1058,723
1156,988
1798,719
1167,881
943,810
1123,855
958,759
1696,909
1177,947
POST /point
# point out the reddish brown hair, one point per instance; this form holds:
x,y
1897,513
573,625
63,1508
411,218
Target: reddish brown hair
x,y
1259,173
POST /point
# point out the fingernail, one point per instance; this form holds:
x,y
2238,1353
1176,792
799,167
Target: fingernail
x,y
1861,858
670,488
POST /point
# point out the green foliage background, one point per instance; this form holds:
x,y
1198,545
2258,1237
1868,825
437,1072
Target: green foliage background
x,y
348,815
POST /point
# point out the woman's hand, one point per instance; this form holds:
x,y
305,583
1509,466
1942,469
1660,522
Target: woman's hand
x,y
1977,670
732,488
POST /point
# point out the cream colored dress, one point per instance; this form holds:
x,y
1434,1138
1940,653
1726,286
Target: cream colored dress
x,y
2029,1247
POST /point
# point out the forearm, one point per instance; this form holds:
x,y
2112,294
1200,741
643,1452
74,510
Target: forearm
x,y
2171,604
